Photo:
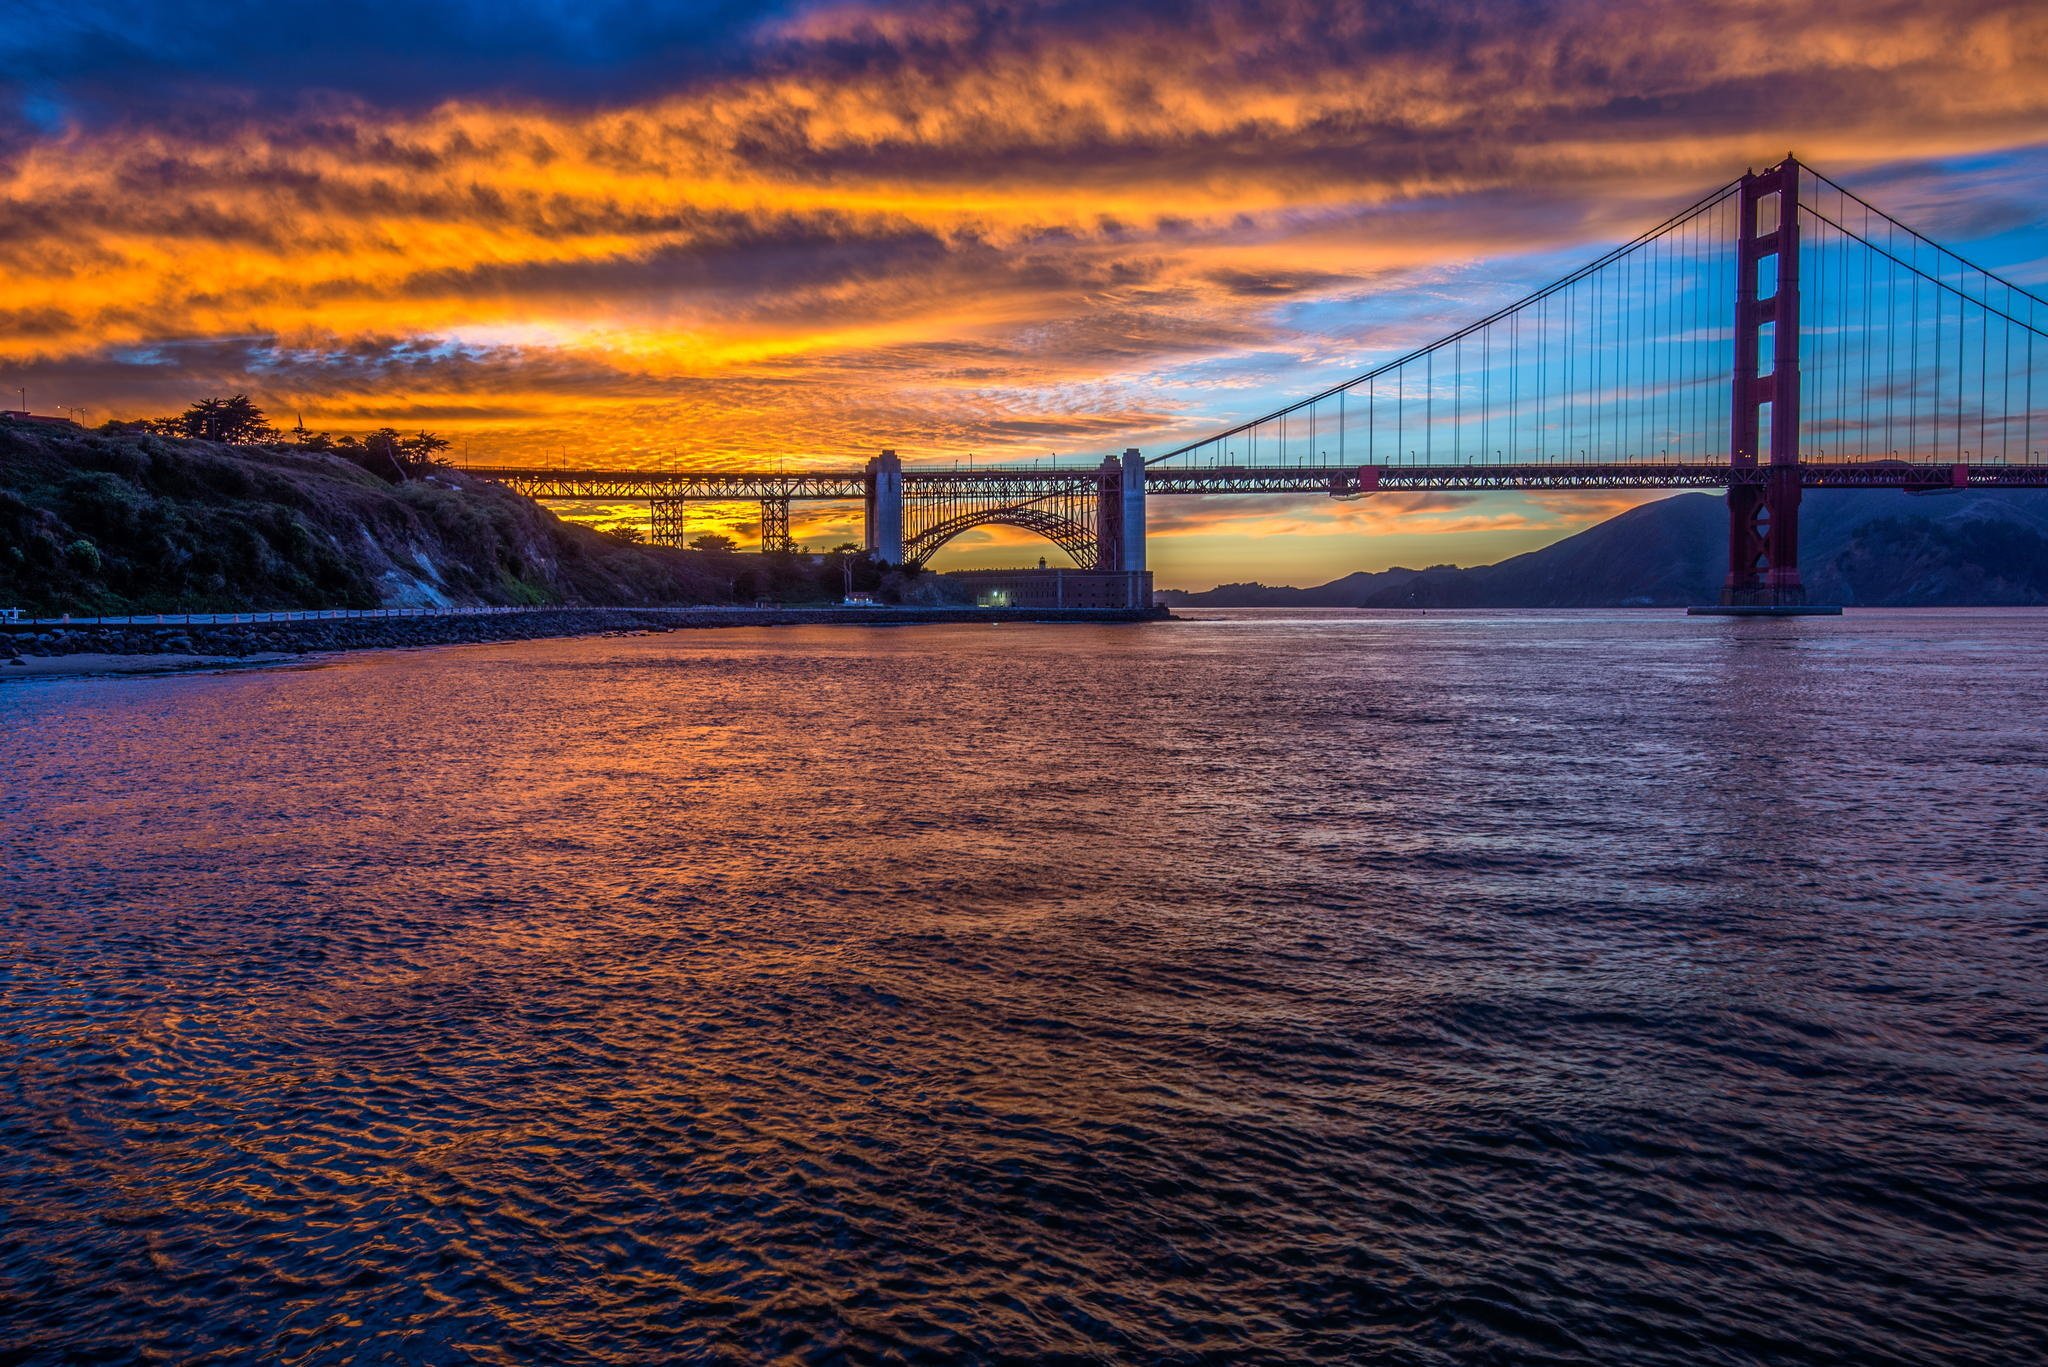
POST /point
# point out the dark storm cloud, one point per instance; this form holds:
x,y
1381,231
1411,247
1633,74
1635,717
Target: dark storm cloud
x,y
1277,284
100,59
956,224
168,374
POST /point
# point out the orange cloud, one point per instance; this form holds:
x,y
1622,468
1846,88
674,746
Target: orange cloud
x,y
943,228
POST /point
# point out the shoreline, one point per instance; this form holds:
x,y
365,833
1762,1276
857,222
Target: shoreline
x,y
87,665
81,649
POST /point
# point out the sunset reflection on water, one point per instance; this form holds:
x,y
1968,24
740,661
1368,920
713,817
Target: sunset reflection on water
x,y
1253,987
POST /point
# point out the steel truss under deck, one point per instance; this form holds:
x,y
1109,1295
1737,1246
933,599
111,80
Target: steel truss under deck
x,y
1009,488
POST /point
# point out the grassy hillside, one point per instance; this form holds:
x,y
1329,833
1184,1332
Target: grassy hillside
x,y
103,523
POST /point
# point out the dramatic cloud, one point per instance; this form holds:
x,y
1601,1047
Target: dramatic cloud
x,y
600,231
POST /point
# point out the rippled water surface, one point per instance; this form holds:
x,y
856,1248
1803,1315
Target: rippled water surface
x,y
1448,988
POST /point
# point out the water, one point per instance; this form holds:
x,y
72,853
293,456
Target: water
x,y
1452,988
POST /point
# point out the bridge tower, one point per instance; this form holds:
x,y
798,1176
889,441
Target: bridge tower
x,y
1133,514
884,479
1763,506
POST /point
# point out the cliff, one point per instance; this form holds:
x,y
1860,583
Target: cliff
x,y
92,522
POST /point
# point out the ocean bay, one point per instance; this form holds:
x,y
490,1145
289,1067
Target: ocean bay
x,y
1260,986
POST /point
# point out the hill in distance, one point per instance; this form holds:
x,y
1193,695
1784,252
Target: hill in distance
x,y
1874,548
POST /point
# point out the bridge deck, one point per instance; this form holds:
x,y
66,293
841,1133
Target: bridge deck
x,y
1337,481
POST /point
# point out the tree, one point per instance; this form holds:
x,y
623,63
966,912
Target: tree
x,y
236,421
422,447
379,453
625,533
84,556
712,543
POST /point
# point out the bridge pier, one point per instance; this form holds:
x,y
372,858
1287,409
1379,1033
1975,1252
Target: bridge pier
x,y
1109,514
775,533
884,480
1120,513
1133,561
668,522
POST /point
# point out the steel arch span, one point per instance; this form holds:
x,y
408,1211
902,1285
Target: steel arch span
x,y
1072,536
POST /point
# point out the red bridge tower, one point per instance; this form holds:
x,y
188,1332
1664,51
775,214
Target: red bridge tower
x,y
1763,500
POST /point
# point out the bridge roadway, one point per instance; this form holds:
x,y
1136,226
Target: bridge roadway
x,y
1025,483
1095,515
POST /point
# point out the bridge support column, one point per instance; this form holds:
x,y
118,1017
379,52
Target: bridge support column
x,y
1109,514
1763,503
1133,528
668,526
885,508
775,535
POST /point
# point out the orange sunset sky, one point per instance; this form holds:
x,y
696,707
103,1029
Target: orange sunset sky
x,y
735,234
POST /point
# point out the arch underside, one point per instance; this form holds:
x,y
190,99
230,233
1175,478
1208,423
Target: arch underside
x,y
1073,537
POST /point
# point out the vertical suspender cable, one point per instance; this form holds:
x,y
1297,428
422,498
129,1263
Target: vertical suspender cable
x,y
1983,378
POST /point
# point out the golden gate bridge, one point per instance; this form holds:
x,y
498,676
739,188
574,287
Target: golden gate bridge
x,y
1779,334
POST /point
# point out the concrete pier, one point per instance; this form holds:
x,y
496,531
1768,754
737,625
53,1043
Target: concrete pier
x,y
1133,538
1765,610
885,508
1095,590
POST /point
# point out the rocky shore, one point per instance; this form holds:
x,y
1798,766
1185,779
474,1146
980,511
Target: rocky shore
x,y
181,645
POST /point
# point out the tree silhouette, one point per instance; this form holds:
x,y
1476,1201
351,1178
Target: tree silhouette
x,y
383,456
422,447
713,543
236,421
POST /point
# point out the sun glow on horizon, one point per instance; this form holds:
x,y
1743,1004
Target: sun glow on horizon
x,y
941,230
